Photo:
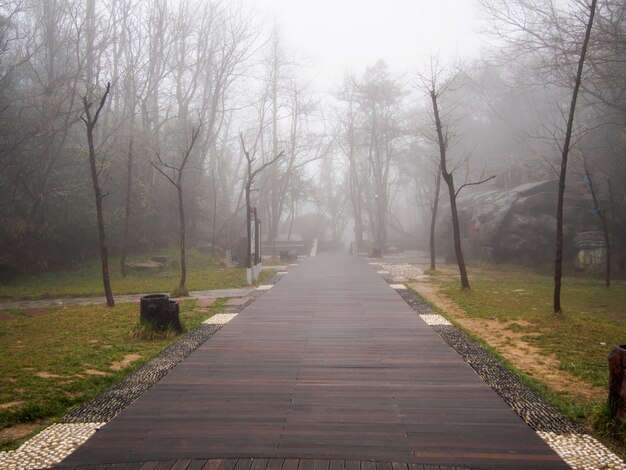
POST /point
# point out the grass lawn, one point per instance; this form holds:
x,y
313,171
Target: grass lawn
x,y
203,272
54,361
510,308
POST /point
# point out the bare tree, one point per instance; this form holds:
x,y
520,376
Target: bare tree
x,y
435,90
129,188
251,173
176,179
347,142
558,264
90,121
442,139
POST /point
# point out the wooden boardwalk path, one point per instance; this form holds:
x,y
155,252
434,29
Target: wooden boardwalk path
x,y
330,364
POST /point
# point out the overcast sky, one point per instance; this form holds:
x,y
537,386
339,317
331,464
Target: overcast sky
x,y
340,35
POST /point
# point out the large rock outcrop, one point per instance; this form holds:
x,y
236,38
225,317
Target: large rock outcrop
x,y
519,225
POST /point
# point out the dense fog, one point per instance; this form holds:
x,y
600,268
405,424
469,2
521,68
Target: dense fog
x,y
125,117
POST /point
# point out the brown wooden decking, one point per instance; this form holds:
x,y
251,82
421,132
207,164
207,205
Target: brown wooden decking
x,y
267,464
329,364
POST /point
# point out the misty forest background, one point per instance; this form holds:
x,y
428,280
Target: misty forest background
x,y
191,80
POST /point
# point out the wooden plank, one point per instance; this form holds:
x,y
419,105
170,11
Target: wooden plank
x,y
228,464
275,464
212,464
196,464
149,465
291,464
243,464
181,464
165,465
321,464
259,464
368,465
306,464
337,464
383,466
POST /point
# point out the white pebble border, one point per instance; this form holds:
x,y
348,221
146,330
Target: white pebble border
x,y
434,319
265,287
397,286
582,452
408,271
382,272
219,319
49,447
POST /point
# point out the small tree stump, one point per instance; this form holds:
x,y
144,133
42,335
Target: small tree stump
x,y
160,312
617,382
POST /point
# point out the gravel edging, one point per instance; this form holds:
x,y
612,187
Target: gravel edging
x,y
527,403
118,396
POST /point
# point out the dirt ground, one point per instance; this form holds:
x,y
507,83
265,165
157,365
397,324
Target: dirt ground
x,y
19,431
510,345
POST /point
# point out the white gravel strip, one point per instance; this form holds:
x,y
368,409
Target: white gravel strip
x,y
265,287
49,447
582,452
220,319
434,319
408,271
397,286
382,272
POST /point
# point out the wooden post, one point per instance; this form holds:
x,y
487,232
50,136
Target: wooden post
x,y
617,383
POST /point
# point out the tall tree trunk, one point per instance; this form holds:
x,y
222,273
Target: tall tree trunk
x,y
292,218
129,182
449,179
214,222
248,211
558,262
182,289
433,219
90,123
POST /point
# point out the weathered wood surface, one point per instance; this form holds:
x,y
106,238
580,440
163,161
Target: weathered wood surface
x,y
265,464
329,364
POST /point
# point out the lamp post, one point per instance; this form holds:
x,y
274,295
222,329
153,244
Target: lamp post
x,y
376,252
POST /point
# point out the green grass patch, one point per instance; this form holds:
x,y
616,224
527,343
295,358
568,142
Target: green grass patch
x,y
593,321
50,363
203,272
